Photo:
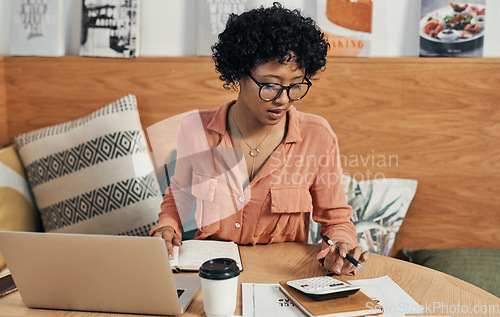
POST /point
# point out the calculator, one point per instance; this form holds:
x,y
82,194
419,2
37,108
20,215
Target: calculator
x,y
323,287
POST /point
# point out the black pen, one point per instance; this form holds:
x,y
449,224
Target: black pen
x,y
347,256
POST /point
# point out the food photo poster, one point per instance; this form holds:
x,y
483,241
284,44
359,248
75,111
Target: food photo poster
x,y
452,29
347,25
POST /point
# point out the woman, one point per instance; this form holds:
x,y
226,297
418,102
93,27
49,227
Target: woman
x,y
260,166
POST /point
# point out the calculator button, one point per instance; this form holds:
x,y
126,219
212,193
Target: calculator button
x,y
320,285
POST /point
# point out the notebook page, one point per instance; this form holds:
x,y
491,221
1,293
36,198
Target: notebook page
x,y
193,253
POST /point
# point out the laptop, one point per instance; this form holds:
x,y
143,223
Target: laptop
x,y
96,273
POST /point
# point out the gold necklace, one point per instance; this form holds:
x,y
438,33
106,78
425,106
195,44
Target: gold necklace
x,y
253,152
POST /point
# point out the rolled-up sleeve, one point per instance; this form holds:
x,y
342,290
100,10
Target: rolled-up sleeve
x,y
330,207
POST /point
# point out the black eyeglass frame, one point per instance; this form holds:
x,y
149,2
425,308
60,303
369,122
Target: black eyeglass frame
x,y
287,88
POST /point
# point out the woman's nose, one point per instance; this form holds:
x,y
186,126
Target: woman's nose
x,y
283,98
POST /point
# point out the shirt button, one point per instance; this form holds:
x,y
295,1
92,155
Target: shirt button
x,y
241,199
237,225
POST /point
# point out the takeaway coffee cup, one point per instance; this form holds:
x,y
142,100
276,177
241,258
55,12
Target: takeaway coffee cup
x,y
219,286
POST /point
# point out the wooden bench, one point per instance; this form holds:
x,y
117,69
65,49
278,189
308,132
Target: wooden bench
x,y
433,120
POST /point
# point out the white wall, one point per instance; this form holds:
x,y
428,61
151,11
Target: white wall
x,y
72,22
168,27
395,28
4,26
491,41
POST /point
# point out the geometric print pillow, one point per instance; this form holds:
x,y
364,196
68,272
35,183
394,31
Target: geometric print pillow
x,y
94,174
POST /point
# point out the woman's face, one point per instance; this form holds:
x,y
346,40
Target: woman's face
x,y
268,112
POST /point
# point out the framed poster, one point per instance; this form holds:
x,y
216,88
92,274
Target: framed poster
x,y
452,29
110,28
37,28
347,25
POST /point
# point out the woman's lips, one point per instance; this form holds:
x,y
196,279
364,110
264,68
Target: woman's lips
x,y
276,114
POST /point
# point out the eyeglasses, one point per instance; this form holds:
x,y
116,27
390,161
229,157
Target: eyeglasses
x,y
269,92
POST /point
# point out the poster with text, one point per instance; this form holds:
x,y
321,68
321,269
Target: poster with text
x,y
347,25
452,29
212,18
37,28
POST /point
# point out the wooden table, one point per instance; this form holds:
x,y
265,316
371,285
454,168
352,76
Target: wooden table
x,y
434,290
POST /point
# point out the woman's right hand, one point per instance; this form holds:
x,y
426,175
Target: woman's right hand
x,y
171,238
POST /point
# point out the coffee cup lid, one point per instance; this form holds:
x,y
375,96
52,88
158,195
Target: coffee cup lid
x,y
219,269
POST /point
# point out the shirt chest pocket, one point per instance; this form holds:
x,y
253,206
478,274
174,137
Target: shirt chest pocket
x,y
203,186
204,189
283,212
290,200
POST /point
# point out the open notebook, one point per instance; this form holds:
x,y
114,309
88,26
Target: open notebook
x,y
192,253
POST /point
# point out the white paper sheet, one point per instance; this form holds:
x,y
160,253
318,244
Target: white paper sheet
x,y
266,300
394,300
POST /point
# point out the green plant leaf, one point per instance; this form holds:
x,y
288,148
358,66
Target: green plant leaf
x,y
381,212
368,197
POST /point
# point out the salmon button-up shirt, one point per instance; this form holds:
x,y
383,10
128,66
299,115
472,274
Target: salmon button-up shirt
x,y
301,176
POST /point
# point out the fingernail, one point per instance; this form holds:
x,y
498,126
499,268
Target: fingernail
x,y
170,256
343,254
337,270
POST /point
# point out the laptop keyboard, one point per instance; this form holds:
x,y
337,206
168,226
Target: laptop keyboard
x,y
179,292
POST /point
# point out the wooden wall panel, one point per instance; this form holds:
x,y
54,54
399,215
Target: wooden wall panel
x,y
440,118
53,90
434,120
4,137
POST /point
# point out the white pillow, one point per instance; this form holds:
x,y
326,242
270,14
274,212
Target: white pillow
x,y
379,207
93,174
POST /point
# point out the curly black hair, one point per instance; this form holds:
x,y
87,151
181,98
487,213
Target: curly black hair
x,y
264,34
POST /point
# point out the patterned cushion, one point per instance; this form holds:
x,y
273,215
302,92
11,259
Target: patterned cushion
x,y
379,207
94,174
17,212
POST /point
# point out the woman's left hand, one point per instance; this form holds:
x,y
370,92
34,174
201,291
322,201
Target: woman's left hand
x,y
335,261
